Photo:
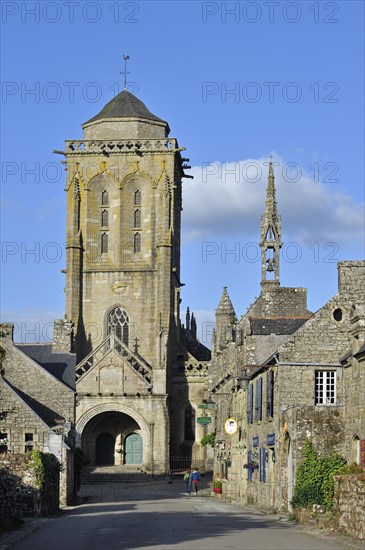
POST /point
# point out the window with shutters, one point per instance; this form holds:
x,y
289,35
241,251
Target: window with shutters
x,y
270,393
325,387
250,404
258,400
262,464
249,470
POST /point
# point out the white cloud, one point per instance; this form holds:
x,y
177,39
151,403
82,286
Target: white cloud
x,y
228,199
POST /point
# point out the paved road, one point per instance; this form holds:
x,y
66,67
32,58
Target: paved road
x,y
160,516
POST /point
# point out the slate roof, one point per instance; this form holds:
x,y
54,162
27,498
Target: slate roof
x,y
266,326
198,350
61,365
125,105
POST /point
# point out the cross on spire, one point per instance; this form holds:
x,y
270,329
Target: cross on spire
x,y
125,72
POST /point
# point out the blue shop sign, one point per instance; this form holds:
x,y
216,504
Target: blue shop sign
x,y
270,440
255,441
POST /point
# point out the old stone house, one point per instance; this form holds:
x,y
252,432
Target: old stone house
x,y
305,391
37,403
311,387
304,379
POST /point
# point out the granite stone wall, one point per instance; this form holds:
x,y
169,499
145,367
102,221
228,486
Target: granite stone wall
x,y
350,505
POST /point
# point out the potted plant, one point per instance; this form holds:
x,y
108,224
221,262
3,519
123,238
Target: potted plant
x,y
217,487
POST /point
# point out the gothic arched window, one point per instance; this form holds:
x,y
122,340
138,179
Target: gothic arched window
x,y
137,197
137,243
105,198
137,218
105,218
118,322
104,243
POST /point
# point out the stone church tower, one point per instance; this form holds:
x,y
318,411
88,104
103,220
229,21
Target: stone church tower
x,y
123,280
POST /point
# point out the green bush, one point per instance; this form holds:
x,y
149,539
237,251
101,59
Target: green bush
x,y
217,485
208,439
306,495
315,478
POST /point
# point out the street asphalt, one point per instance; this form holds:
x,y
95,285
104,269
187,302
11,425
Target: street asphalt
x,y
160,516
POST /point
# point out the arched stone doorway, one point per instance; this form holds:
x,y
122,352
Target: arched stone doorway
x,y
104,449
104,435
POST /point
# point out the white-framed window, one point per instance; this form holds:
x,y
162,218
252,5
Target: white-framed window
x,y
325,387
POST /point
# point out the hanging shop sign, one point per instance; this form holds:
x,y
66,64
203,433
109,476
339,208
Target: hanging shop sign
x,y
230,426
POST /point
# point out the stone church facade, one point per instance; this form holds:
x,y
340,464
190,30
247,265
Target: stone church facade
x,y
135,373
124,193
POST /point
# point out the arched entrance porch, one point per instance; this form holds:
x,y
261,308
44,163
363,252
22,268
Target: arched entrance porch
x,y
105,436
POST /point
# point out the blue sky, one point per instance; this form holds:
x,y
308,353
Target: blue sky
x,y
237,81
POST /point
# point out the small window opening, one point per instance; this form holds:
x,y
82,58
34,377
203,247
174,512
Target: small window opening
x,y
337,314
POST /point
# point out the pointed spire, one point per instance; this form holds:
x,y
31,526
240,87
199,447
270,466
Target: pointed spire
x,y
270,203
270,242
193,327
225,305
225,318
188,319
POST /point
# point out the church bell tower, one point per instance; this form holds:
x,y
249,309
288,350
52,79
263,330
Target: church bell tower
x,y
123,273
270,241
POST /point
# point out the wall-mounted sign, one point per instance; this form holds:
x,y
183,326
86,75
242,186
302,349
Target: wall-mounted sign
x,y
270,440
255,441
231,426
204,420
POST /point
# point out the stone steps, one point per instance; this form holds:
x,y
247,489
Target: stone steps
x,y
112,474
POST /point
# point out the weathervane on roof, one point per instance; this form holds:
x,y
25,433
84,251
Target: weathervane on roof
x,y
125,72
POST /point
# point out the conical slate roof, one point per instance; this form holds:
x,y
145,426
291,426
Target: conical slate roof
x,y
225,305
125,105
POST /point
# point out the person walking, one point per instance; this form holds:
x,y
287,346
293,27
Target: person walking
x,y
187,481
195,478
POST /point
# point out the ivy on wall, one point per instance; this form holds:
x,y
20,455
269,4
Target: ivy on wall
x,y
47,478
315,478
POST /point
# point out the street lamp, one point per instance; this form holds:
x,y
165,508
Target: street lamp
x,y
244,380
209,403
